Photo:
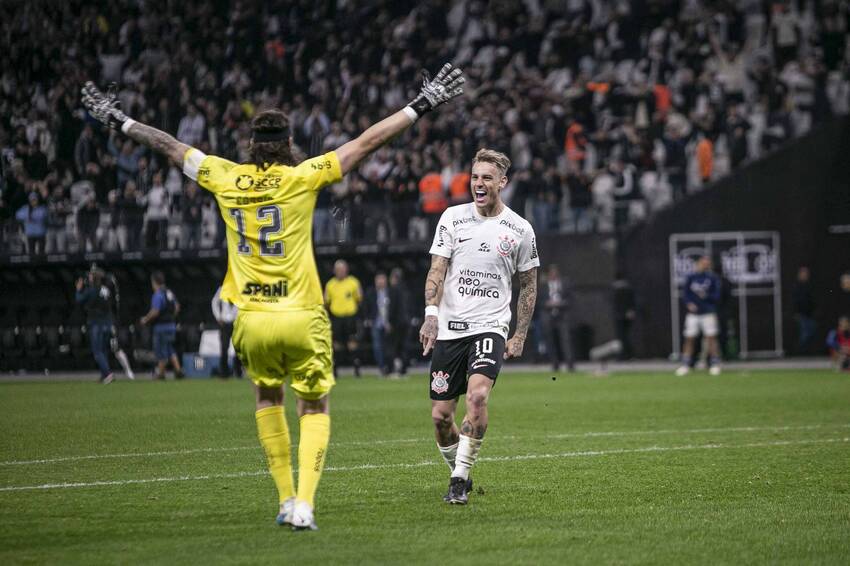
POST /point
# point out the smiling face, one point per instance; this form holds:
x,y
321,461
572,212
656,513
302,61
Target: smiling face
x,y
486,183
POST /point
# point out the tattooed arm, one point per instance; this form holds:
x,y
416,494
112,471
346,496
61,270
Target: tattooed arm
x,y
433,293
159,142
524,312
107,109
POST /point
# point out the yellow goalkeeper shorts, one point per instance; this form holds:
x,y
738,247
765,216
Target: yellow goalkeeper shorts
x,y
294,344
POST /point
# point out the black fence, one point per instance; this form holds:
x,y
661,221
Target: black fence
x,y
42,328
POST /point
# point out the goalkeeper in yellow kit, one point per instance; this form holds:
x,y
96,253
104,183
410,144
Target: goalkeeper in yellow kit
x,y
282,329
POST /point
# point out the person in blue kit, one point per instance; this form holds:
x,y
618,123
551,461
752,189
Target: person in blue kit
x,y
94,296
701,297
163,315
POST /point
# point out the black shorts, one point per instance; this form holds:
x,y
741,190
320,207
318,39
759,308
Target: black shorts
x,y
455,360
344,328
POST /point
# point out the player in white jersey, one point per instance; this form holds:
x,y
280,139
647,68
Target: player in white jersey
x,y
476,251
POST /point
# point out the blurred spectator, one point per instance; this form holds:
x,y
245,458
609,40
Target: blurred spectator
x,y
575,145
191,128
624,191
844,294
126,158
336,138
459,191
376,312
784,33
625,313
131,217
84,149
737,129
555,299
323,221
399,321
705,158
192,213
432,196
58,210
115,236
581,200
838,342
156,215
225,314
34,218
317,126
804,311
88,219
676,160
540,196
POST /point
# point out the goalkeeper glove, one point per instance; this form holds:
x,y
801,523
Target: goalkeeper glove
x,y
105,108
439,90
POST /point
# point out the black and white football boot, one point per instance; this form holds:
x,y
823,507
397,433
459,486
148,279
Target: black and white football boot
x,y
447,496
458,491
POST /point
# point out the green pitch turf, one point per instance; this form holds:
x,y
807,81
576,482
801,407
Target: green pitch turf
x,y
746,468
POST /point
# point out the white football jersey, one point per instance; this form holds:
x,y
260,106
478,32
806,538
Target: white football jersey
x,y
484,255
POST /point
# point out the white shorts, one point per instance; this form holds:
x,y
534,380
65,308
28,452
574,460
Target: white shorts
x,y
700,323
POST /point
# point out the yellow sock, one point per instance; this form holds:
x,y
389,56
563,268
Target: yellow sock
x,y
313,445
274,436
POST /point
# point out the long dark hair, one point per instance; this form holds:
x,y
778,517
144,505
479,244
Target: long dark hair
x,y
267,153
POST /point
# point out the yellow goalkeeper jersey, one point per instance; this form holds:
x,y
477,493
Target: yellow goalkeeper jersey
x,y
269,219
343,296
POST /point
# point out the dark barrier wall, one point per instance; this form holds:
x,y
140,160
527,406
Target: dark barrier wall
x,y
40,293
800,191
588,261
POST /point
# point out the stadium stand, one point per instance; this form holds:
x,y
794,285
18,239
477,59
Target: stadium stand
x,y
609,110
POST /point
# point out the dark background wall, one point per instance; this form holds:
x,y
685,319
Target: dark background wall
x,y
38,295
800,191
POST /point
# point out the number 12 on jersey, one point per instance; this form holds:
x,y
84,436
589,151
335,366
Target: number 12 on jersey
x,y
270,222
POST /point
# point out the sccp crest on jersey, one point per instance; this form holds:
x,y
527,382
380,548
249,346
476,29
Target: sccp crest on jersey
x,y
506,245
440,383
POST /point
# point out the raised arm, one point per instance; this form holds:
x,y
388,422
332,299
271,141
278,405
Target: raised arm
x,y
445,86
158,141
524,312
105,108
433,293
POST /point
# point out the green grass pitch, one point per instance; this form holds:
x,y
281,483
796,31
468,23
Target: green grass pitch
x,y
746,468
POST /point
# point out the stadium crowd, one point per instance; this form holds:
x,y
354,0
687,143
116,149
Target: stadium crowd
x,y
609,110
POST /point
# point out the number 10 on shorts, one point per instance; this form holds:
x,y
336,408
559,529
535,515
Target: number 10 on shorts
x,y
484,346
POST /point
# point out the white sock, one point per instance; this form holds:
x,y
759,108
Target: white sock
x,y
125,363
467,453
449,454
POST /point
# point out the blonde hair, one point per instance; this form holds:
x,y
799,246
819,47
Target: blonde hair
x,y
497,158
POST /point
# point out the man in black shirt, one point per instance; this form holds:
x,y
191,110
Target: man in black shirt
x,y
555,299
399,317
804,311
94,296
192,208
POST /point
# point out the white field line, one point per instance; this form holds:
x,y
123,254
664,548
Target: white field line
x,y
590,434
545,456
